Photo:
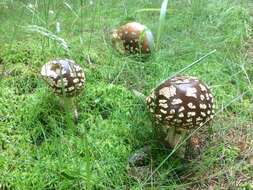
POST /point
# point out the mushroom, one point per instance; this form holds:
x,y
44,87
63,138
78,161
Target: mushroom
x,y
66,79
180,104
134,38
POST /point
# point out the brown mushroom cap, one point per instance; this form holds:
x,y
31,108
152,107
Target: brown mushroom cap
x,y
183,102
133,37
63,76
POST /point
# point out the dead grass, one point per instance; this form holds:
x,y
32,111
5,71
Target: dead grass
x,y
235,140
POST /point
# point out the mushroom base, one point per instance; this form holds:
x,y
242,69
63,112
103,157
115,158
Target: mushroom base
x,y
70,105
191,149
174,137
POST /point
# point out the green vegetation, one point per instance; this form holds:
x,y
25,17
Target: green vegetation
x,y
40,150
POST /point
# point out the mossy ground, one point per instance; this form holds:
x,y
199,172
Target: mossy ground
x,y
42,149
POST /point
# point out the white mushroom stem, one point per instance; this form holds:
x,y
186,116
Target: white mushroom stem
x,y
74,110
174,138
69,104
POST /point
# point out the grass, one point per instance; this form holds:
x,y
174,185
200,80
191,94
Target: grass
x,y
40,150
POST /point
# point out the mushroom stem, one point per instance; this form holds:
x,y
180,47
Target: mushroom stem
x,y
178,138
170,136
73,109
174,138
70,105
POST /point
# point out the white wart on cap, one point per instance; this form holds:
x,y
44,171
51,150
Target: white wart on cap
x,y
133,37
64,76
182,102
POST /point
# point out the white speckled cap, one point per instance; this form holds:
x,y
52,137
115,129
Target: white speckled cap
x,y
64,76
183,101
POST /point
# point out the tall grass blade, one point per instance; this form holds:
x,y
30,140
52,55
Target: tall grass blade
x,y
71,9
163,11
44,32
193,63
190,65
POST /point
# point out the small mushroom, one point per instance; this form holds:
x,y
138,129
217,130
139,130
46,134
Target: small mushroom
x,y
65,78
180,104
133,38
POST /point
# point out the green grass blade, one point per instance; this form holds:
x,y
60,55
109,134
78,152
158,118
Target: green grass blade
x,y
44,32
163,11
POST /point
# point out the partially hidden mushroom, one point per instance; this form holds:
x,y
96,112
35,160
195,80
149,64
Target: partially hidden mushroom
x,y
66,79
133,38
180,105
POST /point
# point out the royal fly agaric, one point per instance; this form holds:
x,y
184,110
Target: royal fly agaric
x,y
66,79
180,104
64,76
133,37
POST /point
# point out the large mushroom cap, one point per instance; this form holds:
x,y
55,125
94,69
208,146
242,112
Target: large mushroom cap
x,y
133,37
64,76
182,102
